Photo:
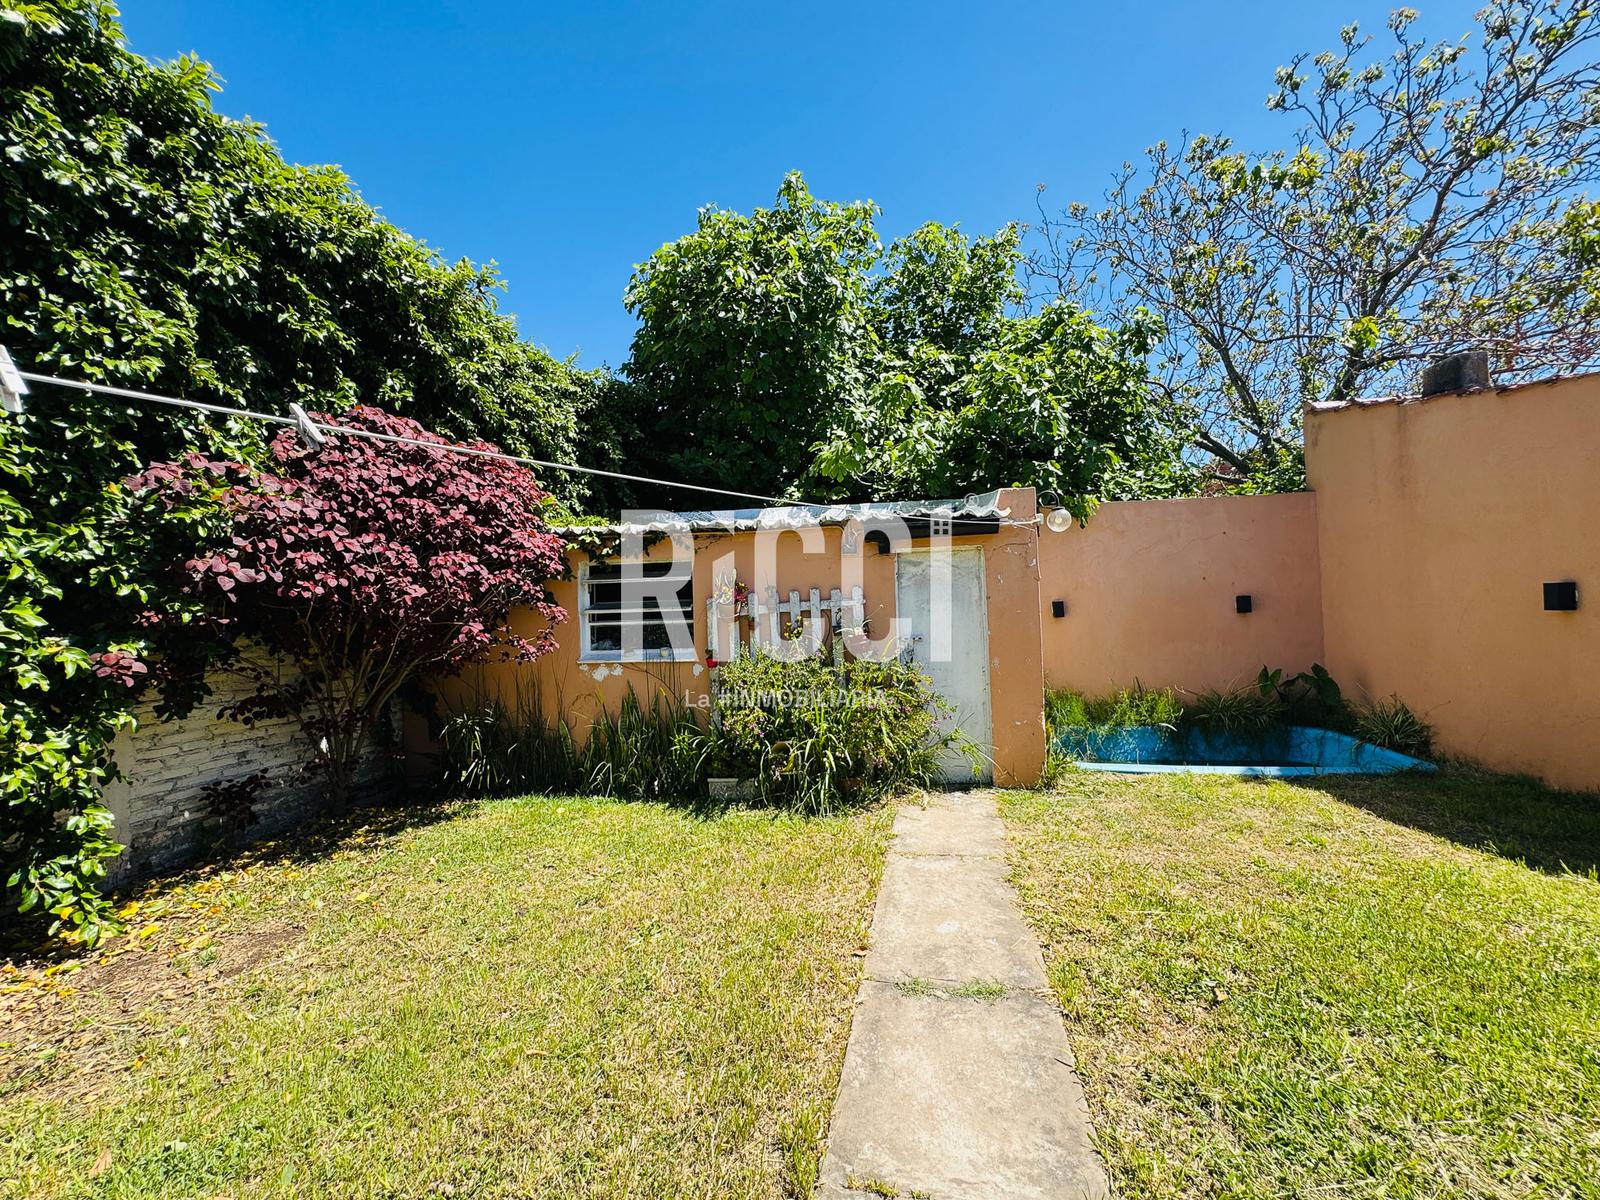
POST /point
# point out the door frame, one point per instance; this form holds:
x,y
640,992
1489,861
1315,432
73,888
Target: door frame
x,y
985,742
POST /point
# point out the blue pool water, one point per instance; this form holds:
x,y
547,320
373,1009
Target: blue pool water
x,y
1290,751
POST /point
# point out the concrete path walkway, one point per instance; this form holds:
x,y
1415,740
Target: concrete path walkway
x,y
958,1082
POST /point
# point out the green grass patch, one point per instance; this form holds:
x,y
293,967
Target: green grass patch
x,y
1359,987
551,997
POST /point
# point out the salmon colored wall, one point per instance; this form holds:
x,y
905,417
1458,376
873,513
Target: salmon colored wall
x,y
1150,588
565,685
1439,521
1016,667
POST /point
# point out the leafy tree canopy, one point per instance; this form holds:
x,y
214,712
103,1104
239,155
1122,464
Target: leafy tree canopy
x,y
788,351
369,564
1431,200
750,328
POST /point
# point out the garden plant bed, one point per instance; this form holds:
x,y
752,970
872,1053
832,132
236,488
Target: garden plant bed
x,y
555,997
1366,986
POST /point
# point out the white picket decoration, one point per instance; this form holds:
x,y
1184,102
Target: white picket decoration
x,y
769,617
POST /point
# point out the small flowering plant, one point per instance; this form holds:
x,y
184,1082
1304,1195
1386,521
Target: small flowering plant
x,y
729,589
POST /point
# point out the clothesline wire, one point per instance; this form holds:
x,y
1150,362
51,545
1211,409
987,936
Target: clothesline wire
x,y
324,427
345,431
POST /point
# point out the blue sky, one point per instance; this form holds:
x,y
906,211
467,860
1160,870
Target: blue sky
x,y
566,142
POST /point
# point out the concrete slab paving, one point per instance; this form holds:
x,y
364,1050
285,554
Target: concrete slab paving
x,y
951,919
958,1081
960,1098
960,823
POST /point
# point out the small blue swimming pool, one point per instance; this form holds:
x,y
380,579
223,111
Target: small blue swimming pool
x,y
1291,751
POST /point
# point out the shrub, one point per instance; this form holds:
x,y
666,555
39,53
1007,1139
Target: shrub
x,y
369,564
1310,698
815,735
654,751
1391,725
1127,709
1246,710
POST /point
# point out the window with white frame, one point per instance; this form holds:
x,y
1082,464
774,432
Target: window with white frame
x,y
606,606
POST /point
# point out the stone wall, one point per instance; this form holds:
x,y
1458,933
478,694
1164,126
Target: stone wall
x,y
160,801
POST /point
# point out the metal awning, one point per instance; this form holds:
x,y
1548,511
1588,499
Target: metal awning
x,y
977,510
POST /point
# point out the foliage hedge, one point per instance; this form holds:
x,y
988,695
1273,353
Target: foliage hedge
x,y
148,241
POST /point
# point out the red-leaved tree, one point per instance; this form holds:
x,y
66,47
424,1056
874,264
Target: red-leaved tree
x,y
367,563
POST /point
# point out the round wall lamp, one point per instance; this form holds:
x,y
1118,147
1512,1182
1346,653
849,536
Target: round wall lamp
x,y
1058,520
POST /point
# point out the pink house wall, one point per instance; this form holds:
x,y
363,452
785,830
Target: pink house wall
x,y
1149,589
1440,520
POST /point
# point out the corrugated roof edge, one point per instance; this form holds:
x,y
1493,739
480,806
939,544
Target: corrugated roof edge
x,y
803,516
1376,401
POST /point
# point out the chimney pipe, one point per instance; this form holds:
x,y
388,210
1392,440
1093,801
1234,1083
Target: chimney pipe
x,y
1456,373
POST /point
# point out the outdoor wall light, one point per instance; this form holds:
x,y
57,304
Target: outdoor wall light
x,y
1058,520
1243,604
1058,608
1561,596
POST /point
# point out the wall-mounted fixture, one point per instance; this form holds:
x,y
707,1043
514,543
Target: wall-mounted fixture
x,y
1243,604
1058,608
1058,520
1561,596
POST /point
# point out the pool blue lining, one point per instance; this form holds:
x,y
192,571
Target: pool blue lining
x,y
1299,750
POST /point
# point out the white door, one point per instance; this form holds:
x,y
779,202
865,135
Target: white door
x,y
940,595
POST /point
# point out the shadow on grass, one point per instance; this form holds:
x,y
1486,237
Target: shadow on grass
x,y
385,816
1512,816
382,815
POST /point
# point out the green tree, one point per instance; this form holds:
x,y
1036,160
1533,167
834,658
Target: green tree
x,y
968,392
149,241
788,352
750,329
1053,401
1424,208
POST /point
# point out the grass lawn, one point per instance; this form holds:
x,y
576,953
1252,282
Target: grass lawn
x,y
551,997
1343,989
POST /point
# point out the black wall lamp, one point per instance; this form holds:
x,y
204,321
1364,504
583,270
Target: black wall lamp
x,y
1058,608
1561,596
1243,604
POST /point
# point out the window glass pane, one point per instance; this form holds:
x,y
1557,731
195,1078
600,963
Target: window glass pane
x,y
605,634
611,608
